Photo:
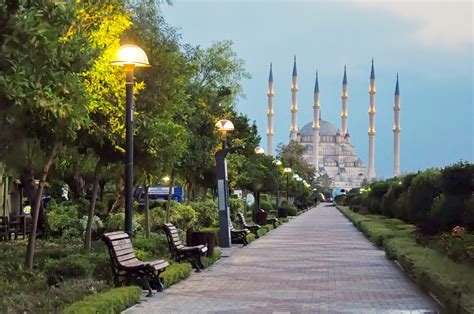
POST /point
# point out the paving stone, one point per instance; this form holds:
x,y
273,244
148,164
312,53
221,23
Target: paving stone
x,y
316,263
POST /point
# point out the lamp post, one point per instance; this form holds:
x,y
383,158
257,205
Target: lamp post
x,y
129,56
277,164
259,151
298,179
223,126
287,171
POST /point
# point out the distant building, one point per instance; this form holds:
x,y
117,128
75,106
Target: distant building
x,y
329,149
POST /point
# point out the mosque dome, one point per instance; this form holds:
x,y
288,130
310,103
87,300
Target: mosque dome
x,y
327,129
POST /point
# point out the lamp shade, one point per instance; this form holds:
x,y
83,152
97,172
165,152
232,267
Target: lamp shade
x,y
259,151
131,55
224,126
287,170
277,162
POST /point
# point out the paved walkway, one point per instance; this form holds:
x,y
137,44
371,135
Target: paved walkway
x,y
317,263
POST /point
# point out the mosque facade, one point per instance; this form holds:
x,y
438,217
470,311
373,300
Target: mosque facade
x,y
328,148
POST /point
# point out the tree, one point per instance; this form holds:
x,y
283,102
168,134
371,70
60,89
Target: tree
x,y
40,79
291,155
214,88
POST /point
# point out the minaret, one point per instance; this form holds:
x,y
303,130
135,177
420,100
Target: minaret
x,y
396,132
344,97
371,171
270,113
316,126
294,105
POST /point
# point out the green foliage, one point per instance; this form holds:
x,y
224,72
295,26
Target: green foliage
x,y
236,205
72,266
458,179
183,216
216,255
266,206
265,198
154,247
115,222
207,213
63,220
175,273
112,301
423,189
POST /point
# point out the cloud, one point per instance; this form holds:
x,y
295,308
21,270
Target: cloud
x,y
443,25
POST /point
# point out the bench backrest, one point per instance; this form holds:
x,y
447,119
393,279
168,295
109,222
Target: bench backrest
x,y
242,219
174,241
120,249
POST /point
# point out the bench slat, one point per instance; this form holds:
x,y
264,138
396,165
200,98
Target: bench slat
x,y
118,236
121,252
126,257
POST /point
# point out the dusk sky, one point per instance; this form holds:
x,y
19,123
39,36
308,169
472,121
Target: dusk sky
x,y
429,44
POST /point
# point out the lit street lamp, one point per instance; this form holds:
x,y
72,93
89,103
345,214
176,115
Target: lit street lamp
x,y
259,151
287,171
223,127
129,56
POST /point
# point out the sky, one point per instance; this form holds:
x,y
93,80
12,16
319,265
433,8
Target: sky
x,y
430,45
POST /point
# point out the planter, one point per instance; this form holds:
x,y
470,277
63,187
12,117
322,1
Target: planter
x,y
261,218
205,238
282,212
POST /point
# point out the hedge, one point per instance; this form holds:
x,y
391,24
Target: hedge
x,y
110,302
452,283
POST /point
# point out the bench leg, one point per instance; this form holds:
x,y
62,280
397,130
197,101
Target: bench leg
x,y
199,262
195,265
146,284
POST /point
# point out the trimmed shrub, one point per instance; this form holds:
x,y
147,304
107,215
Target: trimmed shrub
x,y
156,246
458,179
423,190
63,220
110,302
183,216
175,273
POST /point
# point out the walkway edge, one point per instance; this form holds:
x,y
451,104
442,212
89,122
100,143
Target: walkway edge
x,y
451,306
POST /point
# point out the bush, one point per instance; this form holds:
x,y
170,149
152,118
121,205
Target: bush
x,y
175,273
447,212
423,190
183,216
292,211
154,247
236,205
207,213
389,200
63,220
157,218
458,179
112,301
115,222
72,266
265,198
266,206
339,199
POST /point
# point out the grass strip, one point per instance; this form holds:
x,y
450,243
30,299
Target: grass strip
x,y
450,282
109,302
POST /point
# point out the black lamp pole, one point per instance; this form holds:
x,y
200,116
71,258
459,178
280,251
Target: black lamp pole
x,y
223,195
129,82
287,187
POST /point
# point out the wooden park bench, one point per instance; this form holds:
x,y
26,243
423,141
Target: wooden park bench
x,y
238,235
252,227
127,267
180,252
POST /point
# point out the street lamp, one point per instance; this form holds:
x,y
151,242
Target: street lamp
x,y
223,127
259,151
129,56
287,171
299,179
277,163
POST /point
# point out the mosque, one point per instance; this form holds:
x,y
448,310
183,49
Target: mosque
x,y
329,148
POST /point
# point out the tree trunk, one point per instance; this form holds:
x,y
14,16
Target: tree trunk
x,y
119,201
147,207
170,194
90,218
30,251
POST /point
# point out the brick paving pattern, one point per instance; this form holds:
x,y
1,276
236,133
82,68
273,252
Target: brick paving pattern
x,y
316,263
